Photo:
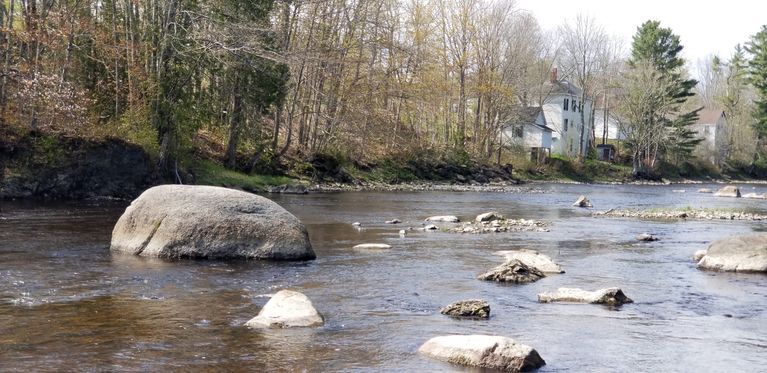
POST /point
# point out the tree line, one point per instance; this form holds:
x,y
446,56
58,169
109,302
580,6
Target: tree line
x,y
362,79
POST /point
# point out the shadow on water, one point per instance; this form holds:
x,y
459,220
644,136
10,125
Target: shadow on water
x,y
67,303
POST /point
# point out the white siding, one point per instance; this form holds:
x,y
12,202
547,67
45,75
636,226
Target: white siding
x,y
553,108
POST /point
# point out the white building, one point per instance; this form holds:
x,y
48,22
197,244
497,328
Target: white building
x,y
607,126
568,117
529,130
712,128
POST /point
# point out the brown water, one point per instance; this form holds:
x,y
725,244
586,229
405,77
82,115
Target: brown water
x,y
67,303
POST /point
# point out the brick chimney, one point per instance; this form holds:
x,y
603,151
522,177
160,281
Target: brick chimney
x,y
554,75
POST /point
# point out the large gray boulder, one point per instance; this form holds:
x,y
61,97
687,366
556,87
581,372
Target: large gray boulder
x,y
186,221
747,253
287,309
513,271
534,259
728,191
582,201
609,296
483,351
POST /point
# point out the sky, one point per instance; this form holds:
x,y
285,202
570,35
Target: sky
x,y
705,27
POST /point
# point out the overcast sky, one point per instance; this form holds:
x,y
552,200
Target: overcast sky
x,y
704,27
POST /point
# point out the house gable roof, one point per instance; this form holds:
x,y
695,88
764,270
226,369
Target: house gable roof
x,y
529,115
709,116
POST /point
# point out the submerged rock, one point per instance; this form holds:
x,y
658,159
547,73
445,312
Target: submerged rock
x,y
737,254
467,308
582,201
728,191
444,219
488,216
513,271
755,196
372,246
483,351
287,309
430,227
393,221
705,190
206,222
646,237
609,296
534,259
356,224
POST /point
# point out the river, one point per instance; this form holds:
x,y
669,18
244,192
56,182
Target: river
x,y
67,303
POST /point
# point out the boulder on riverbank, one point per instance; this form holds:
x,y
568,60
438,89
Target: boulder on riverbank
x,y
609,296
444,219
737,254
476,308
205,222
513,271
728,191
582,201
289,189
287,309
483,351
532,258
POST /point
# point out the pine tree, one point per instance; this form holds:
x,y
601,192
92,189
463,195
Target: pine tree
x,y
660,47
757,69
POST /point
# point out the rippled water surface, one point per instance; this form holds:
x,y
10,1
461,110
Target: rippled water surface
x,y
67,303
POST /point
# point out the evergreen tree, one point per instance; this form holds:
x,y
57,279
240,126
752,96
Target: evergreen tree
x,y
757,69
659,47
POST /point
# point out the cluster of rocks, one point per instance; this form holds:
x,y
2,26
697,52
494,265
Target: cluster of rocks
x,y
489,222
491,187
505,225
692,214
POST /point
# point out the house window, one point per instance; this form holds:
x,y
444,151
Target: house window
x,y
516,132
567,103
575,104
565,125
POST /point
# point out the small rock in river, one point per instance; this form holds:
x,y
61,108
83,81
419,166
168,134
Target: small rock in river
x,y
513,271
582,201
468,308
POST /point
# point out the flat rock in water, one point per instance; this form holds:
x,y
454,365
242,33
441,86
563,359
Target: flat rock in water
x,y
468,308
372,246
737,254
444,219
646,237
582,201
534,259
393,221
206,222
488,216
430,227
287,309
609,296
705,190
728,191
755,196
483,351
513,271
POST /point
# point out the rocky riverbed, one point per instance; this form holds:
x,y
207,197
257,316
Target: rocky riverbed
x,y
676,214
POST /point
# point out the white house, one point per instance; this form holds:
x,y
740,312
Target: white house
x,y
568,117
712,128
529,130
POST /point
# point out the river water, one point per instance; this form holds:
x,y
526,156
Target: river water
x,y
67,303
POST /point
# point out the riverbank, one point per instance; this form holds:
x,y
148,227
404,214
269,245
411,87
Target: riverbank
x,y
34,165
